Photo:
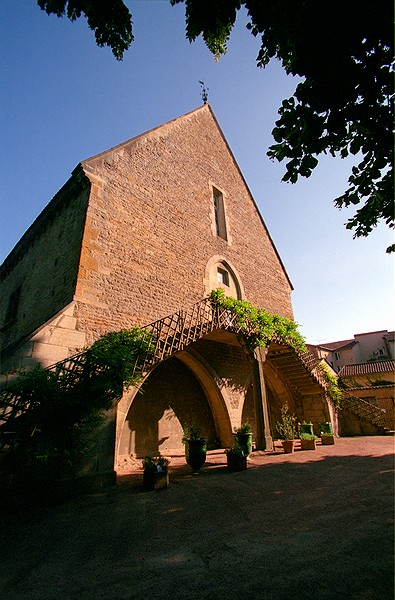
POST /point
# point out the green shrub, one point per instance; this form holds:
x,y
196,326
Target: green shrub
x,y
244,428
191,432
286,428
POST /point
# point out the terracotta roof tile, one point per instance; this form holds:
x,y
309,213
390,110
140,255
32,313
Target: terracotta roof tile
x,y
383,366
338,345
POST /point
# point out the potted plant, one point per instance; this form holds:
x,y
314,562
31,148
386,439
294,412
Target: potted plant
x,y
236,457
307,441
156,473
306,428
327,437
287,429
244,437
195,447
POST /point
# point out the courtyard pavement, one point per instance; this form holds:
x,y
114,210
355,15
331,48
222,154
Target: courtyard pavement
x,y
309,525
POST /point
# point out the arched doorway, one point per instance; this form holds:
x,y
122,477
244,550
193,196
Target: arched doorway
x,y
214,383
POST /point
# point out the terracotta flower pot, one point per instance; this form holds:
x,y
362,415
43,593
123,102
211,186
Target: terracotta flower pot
x,y
327,440
288,446
307,444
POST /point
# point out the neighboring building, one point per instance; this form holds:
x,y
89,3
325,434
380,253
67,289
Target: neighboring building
x,y
389,344
363,348
368,374
141,231
371,382
366,368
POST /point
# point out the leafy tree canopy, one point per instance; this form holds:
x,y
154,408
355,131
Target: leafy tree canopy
x,y
110,20
343,50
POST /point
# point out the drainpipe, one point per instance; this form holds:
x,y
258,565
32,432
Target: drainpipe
x,y
264,440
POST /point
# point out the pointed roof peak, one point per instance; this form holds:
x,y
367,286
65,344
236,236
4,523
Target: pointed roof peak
x,y
88,165
144,134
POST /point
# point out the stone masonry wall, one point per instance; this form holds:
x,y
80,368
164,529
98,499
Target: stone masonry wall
x,y
232,371
51,343
44,265
150,228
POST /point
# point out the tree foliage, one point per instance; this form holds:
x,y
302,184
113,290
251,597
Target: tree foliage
x,y
343,51
110,20
344,104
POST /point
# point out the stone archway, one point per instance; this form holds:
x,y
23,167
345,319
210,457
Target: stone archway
x,y
214,383
176,393
206,382
217,374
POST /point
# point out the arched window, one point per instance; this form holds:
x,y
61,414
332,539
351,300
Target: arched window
x,y
219,274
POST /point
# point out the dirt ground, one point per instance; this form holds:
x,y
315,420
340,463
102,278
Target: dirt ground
x,y
314,524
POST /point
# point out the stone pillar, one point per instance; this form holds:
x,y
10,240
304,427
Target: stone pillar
x,y
264,439
97,468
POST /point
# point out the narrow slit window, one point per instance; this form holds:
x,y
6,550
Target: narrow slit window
x,y
13,305
219,211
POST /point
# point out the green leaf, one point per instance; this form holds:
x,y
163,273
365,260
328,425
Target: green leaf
x,y
277,134
355,146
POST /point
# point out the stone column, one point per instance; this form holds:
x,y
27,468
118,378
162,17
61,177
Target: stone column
x,y
97,468
264,438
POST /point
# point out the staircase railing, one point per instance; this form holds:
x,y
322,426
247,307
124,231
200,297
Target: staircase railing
x,y
165,336
364,409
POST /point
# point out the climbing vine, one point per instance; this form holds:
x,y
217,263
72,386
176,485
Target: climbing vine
x,y
64,407
333,389
113,358
259,326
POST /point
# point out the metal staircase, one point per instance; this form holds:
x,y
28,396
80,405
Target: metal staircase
x,y
166,337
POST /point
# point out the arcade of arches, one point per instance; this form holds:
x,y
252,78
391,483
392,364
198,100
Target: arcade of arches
x,y
217,384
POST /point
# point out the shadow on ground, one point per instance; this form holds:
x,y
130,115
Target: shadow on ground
x,y
309,525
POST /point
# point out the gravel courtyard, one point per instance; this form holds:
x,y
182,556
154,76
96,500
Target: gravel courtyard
x,y
310,525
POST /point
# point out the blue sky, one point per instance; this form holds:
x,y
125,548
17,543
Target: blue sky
x,y
63,99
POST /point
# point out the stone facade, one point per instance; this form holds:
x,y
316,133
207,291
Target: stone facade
x,y
38,281
138,232
150,229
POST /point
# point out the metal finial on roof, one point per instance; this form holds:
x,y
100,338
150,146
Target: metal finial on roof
x,y
204,92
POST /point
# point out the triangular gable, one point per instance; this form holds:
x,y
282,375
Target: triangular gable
x,y
90,162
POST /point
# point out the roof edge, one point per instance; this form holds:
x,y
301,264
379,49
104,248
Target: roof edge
x,y
252,197
141,135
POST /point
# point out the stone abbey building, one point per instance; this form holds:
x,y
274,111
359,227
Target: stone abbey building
x,y
145,230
